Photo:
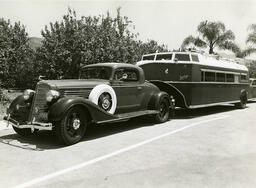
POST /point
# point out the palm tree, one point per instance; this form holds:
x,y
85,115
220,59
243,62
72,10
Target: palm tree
x,y
251,40
212,34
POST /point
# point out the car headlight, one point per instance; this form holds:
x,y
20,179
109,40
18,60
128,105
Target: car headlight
x,y
27,94
51,95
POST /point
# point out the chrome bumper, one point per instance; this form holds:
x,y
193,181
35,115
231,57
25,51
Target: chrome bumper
x,y
31,125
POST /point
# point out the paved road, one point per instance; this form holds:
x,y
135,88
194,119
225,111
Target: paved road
x,y
210,147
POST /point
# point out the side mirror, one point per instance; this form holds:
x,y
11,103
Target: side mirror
x,y
176,60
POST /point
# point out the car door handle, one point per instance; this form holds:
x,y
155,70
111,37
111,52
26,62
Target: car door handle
x,y
139,88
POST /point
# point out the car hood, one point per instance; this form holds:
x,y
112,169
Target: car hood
x,y
74,83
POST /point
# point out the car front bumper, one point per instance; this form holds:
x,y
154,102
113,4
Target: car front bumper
x,y
31,125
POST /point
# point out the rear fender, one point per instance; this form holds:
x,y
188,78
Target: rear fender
x,y
154,101
58,110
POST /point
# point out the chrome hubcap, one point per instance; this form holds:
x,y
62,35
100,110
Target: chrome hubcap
x,y
76,124
105,103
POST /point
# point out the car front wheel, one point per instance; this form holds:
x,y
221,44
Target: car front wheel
x,y
72,127
164,111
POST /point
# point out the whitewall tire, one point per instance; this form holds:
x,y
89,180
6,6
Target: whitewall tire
x,y
105,97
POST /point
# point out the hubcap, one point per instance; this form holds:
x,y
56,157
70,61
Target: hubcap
x,y
76,124
105,103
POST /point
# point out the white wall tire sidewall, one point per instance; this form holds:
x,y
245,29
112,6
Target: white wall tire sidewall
x,y
98,90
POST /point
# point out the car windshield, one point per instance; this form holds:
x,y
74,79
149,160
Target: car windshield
x,y
96,73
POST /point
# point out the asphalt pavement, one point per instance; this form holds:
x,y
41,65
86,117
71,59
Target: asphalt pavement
x,y
208,147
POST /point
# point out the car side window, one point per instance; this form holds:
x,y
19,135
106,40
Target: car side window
x,y
126,75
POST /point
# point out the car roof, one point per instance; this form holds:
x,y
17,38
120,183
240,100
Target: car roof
x,y
113,65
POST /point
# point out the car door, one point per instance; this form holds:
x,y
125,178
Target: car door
x,y
128,89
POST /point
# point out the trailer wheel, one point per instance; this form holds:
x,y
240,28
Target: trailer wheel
x,y
164,110
72,127
243,101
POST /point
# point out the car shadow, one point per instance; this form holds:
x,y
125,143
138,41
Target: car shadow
x,y
46,140
40,141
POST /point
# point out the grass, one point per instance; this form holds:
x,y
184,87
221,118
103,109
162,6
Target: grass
x,y
5,100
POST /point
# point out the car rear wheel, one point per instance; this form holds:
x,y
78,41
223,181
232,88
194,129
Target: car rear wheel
x,y
72,127
164,110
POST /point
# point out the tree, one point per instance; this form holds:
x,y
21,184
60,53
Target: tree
x,y
251,41
16,64
212,34
72,43
252,69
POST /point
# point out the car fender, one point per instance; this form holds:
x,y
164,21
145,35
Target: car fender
x,y
154,101
18,100
58,110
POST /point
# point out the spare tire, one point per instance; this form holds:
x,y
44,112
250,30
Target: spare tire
x,y
105,97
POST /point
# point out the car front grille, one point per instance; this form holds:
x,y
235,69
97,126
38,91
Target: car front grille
x,y
77,92
39,106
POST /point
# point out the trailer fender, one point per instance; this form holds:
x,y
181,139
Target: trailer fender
x,y
180,99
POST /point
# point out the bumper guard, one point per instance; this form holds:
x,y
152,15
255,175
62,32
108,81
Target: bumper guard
x,y
31,125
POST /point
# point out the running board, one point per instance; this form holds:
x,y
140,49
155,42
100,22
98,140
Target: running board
x,y
127,116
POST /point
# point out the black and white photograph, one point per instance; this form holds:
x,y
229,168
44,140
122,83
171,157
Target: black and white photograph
x,y
127,94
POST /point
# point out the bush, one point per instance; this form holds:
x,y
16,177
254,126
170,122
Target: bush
x,y
16,57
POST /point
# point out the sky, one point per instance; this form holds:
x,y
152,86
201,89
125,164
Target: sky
x,y
167,22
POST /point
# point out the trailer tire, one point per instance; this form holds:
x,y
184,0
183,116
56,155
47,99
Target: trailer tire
x,y
243,101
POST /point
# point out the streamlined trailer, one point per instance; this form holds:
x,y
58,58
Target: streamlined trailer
x,y
196,79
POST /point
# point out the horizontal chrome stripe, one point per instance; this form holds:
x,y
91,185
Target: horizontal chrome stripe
x,y
203,82
212,104
220,71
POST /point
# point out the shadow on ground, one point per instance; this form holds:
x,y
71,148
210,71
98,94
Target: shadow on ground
x,y
45,140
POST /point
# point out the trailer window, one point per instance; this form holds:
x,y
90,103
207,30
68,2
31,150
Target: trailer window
x,y
220,77
148,57
230,77
243,77
209,76
202,76
195,58
164,57
182,57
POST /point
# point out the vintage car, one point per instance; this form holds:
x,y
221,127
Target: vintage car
x,y
105,92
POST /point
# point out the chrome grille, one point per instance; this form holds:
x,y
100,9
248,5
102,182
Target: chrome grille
x,y
76,92
39,106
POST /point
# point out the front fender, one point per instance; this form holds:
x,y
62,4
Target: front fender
x,y
58,110
19,109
